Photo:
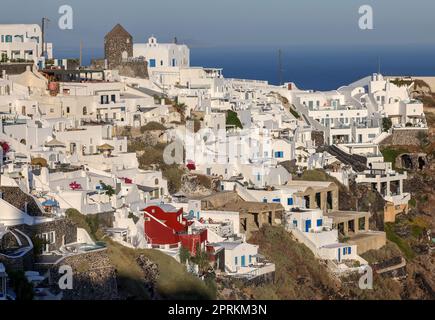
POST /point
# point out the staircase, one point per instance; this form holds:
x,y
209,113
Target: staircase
x,y
357,162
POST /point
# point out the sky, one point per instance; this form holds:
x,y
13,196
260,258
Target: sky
x,y
232,23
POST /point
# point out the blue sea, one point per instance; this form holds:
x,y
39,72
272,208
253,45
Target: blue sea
x,y
310,67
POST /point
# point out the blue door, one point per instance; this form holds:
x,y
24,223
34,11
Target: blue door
x,y
243,261
307,225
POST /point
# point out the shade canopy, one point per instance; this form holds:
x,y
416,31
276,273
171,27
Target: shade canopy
x,y
105,147
54,143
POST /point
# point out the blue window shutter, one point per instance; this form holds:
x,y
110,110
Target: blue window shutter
x,y
290,201
277,200
319,222
349,250
344,251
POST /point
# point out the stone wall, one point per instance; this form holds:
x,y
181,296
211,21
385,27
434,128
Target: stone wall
x,y
404,137
318,138
94,277
15,68
114,46
66,232
411,161
133,69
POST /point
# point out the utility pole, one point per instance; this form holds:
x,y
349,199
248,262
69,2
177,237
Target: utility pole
x,y
43,36
379,64
81,53
279,67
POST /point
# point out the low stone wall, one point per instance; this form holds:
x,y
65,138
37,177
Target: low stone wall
x,y
15,68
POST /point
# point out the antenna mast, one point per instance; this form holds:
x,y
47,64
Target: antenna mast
x,y
44,19
81,53
279,67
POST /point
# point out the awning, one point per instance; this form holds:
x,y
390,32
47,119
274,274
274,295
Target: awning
x,y
105,147
54,143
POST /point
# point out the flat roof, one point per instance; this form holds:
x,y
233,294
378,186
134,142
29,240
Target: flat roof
x,y
342,216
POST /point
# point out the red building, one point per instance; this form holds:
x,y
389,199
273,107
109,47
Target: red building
x,y
166,226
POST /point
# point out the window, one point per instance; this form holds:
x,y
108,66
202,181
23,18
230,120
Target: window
x,y
104,99
250,259
236,261
264,200
279,154
349,250
152,63
289,201
319,222
113,98
67,109
85,111
276,200
156,181
344,251
49,237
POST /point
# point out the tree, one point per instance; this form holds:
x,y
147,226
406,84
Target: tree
x,y
233,119
201,259
386,124
109,191
184,254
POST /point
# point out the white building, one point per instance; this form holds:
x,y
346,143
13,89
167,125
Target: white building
x,y
22,42
162,55
315,230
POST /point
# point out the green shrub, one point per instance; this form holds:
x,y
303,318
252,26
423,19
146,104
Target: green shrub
x,y
386,124
233,119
